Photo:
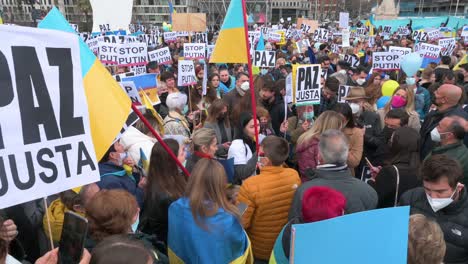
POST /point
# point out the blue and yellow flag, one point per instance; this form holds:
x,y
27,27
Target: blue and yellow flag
x,y
462,61
231,46
108,104
370,27
222,241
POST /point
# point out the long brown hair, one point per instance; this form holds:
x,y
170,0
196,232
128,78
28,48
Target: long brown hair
x,y
373,91
195,97
215,109
163,174
206,190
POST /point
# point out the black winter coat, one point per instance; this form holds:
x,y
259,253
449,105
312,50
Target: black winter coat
x,y
453,221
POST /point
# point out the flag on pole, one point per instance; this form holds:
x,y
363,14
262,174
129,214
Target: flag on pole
x,y
462,61
146,102
108,104
232,31
370,27
171,11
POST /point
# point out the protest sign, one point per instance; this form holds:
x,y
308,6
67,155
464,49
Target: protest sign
x,y
289,87
117,18
464,32
200,38
335,48
400,50
420,36
345,38
306,25
131,90
448,46
428,50
352,59
194,50
182,33
45,135
342,93
138,70
186,73
209,51
387,30
161,56
195,22
127,54
306,85
363,231
344,20
321,34
403,31
302,45
434,34
254,36
446,32
274,37
75,27
265,30
385,61
264,58
170,37
145,84
361,32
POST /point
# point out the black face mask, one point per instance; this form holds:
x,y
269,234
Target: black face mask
x,y
387,133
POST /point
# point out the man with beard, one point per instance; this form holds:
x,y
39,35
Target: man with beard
x,y
272,101
446,98
329,96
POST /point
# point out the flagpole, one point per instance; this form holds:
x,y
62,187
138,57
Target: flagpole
x,y
160,140
252,88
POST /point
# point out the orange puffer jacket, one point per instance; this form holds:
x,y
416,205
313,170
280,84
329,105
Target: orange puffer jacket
x,y
268,196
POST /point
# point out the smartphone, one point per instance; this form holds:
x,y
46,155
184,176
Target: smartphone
x,y
242,207
74,231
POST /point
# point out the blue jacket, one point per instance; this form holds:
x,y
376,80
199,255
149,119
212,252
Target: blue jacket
x,y
115,177
422,102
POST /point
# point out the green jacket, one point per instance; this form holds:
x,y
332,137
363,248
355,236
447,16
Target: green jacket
x,y
456,151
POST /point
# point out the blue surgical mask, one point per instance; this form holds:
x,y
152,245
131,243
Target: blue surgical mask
x,y
135,225
308,116
263,71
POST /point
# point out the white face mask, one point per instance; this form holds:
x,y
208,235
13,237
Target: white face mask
x,y
122,156
440,203
360,81
435,134
355,108
245,86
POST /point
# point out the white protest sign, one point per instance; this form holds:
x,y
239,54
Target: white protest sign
x,y
75,27
353,60
186,73
274,37
385,61
464,32
361,31
307,82
45,135
342,93
182,33
321,34
344,20
194,50
131,90
93,45
138,70
403,31
127,54
335,48
401,50
302,45
264,58
170,37
434,34
446,32
161,56
200,38
448,46
117,18
428,50
387,30
345,38
289,85
420,36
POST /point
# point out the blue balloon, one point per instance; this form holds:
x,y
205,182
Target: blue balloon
x,y
411,63
383,101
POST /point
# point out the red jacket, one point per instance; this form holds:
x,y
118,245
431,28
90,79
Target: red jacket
x,y
307,155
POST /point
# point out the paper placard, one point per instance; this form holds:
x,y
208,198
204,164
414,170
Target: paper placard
x,y
342,93
400,50
303,45
403,31
45,134
387,30
353,60
138,70
274,37
264,59
344,20
194,50
75,27
385,61
420,36
448,46
428,50
186,73
446,32
131,90
321,34
161,56
434,34
127,54
464,32
170,37
200,38
345,38
307,84
195,22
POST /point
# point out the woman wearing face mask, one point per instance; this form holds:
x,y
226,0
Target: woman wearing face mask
x,y
218,120
307,144
401,169
354,134
243,149
403,98
166,183
115,212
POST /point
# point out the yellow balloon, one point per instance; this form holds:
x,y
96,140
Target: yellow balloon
x,y
389,87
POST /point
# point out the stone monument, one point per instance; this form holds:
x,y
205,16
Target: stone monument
x,y
386,10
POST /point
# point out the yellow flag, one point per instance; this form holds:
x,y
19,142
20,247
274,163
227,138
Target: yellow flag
x,y
146,102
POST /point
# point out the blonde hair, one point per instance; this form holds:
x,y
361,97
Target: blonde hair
x,y
206,191
426,244
409,107
327,120
202,137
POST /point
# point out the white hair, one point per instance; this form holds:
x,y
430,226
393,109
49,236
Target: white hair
x,y
333,147
176,101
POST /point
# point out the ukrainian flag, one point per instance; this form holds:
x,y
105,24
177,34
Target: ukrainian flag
x,y
461,62
231,46
108,105
222,241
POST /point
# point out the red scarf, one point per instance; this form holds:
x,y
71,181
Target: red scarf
x,y
202,155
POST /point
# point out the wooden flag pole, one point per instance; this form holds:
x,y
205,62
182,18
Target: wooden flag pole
x,y
160,140
252,88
